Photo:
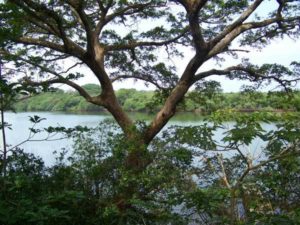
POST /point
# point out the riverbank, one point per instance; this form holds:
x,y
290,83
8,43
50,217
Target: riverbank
x,y
148,101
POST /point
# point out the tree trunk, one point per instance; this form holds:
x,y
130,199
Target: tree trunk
x,y
4,163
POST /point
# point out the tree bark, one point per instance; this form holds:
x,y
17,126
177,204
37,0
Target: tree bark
x,y
177,94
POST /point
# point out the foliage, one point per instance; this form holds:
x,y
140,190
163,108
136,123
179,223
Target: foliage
x,y
205,100
88,186
239,184
190,177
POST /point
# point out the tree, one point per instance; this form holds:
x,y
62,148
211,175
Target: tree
x,y
237,183
40,37
86,32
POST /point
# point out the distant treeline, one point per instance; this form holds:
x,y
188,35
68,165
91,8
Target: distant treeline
x,y
146,101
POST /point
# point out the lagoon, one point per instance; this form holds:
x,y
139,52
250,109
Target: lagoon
x,y
20,125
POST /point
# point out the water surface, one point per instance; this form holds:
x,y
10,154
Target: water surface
x,y
20,125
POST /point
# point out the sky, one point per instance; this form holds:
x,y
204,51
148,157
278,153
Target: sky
x,y
280,51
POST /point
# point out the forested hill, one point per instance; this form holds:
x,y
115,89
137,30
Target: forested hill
x,y
145,101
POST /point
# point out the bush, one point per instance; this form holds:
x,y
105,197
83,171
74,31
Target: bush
x,y
185,177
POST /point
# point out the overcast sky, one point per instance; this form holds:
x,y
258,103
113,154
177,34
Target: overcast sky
x,y
281,51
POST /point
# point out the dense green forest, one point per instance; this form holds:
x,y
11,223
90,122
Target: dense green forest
x,y
145,101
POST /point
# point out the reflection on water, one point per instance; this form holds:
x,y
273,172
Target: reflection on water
x,y
179,117
139,116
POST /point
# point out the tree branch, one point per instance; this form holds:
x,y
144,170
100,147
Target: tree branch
x,y
34,15
224,177
77,15
167,111
83,18
283,154
193,8
254,74
35,10
102,20
41,43
134,45
228,38
177,94
106,99
72,67
47,12
59,79
138,77
129,10
238,22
